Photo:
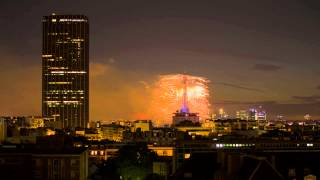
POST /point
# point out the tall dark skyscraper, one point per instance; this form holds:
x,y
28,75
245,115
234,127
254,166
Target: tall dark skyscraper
x,y
65,69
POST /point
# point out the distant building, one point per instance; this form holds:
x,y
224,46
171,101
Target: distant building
x,y
95,124
29,136
93,135
65,69
52,123
166,151
100,153
35,121
228,126
124,123
242,114
3,130
307,117
252,114
222,114
29,121
17,121
257,114
112,132
143,125
261,116
181,116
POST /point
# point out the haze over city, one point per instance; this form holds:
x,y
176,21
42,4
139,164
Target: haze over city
x,y
253,53
160,90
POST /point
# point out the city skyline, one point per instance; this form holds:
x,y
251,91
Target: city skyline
x,y
266,59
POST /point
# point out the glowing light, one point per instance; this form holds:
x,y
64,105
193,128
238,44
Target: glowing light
x,y
70,102
60,82
178,92
187,155
68,72
72,20
221,111
46,55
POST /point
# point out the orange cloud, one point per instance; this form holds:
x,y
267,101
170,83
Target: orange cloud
x,y
20,91
116,94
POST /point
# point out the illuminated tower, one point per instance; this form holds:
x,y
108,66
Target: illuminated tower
x,y
65,69
184,114
252,114
185,108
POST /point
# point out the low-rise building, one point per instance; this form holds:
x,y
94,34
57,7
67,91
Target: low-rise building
x,y
112,132
33,162
143,125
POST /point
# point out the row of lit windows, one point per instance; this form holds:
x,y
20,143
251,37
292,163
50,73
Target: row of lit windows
x,y
50,55
56,93
64,97
54,34
77,40
65,92
57,68
68,72
234,145
95,152
61,105
70,102
52,59
65,102
56,74
250,145
73,41
69,20
63,42
59,83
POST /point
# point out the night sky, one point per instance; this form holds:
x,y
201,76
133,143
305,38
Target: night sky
x,y
254,53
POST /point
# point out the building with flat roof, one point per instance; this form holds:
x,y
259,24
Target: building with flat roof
x,y
65,69
32,162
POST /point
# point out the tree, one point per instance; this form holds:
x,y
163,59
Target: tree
x,y
134,162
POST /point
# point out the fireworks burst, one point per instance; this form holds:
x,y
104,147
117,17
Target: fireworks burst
x,y
173,92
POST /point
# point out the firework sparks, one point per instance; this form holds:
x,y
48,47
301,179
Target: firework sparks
x,y
173,92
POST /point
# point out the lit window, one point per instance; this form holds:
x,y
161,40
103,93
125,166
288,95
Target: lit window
x,y
187,155
310,145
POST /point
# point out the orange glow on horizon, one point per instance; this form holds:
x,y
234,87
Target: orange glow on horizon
x,y
141,116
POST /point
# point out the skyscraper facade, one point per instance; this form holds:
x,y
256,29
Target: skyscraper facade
x,y
65,69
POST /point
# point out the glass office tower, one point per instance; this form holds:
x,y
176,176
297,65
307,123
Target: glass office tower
x,y
65,69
